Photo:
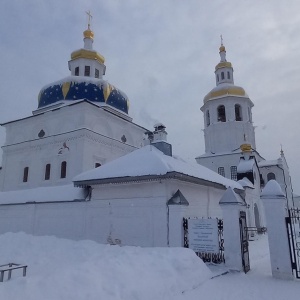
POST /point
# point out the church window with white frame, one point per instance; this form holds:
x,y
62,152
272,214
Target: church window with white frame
x,y
63,169
222,76
221,171
47,171
233,172
97,73
25,174
271,176
238,112
207,118
87,71
228,75
221,113
77,71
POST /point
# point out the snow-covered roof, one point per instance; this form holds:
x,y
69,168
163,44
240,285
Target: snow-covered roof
x,y
230,197
272,190
268,163
149,161
245,182
43,194
245,166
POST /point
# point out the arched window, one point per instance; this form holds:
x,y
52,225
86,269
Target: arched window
x,y
218,78
63,169
228,74
77,71
221,113
47,172
97,165
249,114
207,118
222,76
271,176
238,112
87,71
25,174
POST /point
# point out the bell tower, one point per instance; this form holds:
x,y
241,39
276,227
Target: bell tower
x,y
227,111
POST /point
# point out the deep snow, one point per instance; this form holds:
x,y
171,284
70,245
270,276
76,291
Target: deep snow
x,y
64,269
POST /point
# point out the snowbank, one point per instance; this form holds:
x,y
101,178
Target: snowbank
x,y
64,269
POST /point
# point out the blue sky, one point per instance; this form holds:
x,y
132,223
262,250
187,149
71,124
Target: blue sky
x,y
162,54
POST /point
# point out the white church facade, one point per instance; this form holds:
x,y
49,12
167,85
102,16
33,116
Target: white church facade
x,y
83,169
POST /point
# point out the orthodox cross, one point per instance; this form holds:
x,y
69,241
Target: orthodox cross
x,y
89,18
221,39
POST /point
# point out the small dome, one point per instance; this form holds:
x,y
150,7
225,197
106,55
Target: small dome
x,y
222,48
76,87
88,34
225,90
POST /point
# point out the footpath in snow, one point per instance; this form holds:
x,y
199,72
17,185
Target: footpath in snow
x,y
64,269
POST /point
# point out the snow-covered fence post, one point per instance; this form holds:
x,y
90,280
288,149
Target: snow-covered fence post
x,y
231,205
274,203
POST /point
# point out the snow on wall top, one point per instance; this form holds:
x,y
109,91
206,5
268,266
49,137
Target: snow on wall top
x,y
268,163
150,161
245,166
43,194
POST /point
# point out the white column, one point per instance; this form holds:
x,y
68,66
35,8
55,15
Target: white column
x,y
231,205
274,203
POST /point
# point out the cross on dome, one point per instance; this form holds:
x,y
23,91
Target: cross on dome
x,y
89,18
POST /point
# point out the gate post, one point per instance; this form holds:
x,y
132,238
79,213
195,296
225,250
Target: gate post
x,y
275,203
231,205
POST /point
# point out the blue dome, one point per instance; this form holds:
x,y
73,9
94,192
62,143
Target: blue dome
x,y
76,88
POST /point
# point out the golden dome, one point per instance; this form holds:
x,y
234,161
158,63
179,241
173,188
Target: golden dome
x,y
222,48
90,54
228,90
88,34
223,64
246,147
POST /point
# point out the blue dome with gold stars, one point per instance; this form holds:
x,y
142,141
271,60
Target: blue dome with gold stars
x,y
81,87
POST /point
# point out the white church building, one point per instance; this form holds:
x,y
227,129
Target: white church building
x,y
80,168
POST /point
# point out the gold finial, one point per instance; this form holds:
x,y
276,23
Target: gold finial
x,y
89,19
222,48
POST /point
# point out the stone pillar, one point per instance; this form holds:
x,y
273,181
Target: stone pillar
x,y
231,205
275,203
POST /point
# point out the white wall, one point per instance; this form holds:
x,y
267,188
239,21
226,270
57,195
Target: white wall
x,y
126,214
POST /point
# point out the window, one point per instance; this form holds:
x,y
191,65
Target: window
x,y
47,172
228,74
233,171
97,165
221,171
207,118
238,112
77,71
221,113
87,71
271,176
63,169
96,73
218,78
222,76
25,174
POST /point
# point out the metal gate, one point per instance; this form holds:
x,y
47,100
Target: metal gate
x,y
244,242
293,231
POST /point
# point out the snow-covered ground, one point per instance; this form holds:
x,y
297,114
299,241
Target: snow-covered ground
x,y
64,269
